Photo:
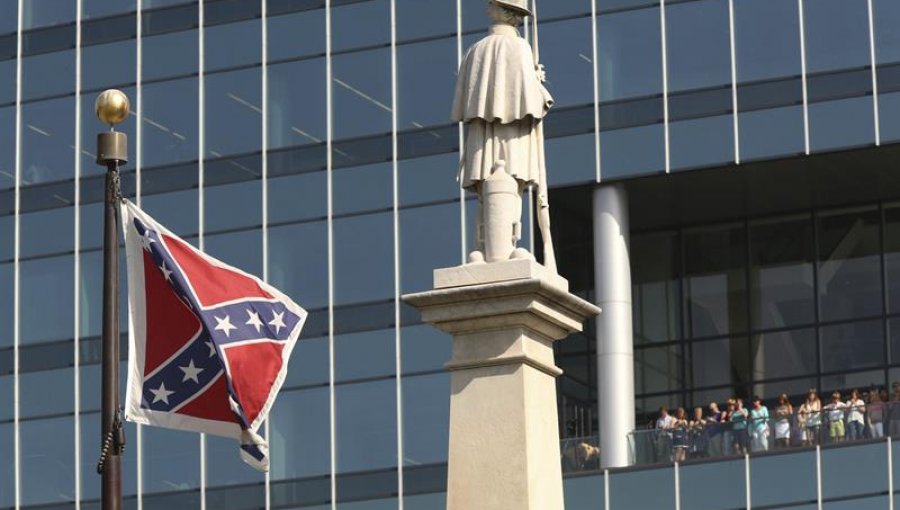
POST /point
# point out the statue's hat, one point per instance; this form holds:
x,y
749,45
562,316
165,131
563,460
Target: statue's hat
x,y
516,5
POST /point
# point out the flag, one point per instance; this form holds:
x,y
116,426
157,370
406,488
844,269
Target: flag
x,y
208,343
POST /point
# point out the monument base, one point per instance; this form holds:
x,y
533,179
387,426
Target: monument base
x,y
504,431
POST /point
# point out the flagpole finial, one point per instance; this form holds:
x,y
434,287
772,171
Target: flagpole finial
x,y
112,107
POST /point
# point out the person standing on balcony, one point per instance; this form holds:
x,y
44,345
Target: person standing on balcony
x,y
759,425
664,425
811,418
875,414
834,411
895,410
714,430
738,420
728,429
856,420
680,435
783,415
699,435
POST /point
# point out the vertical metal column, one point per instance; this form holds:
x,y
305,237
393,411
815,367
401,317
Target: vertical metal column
x,y
615,356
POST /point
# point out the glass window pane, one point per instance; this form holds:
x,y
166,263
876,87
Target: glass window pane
x,y
364,355
296,34
566,49
7,469
9,16
770,132
426,76
656,287
892,257
8,87
849,270
630,54
242,250
416,18
35,400
299,428
852,346
571,159
658,369
697,45
721,482
766,39
233,45
100,8
297,103
838,481
841,382
781,273
298,266
297,197
7,149
426,419
632,151
628,490
363,188
783,354
47,461
309,362
97,73
47,12
841,124
429,238
47,232
46,291
170,130
366,426
47,140
362,92
7,296
424,347
837,34
225,467
363,258
173,54
234,116
171,460
48,74
701,142
783,479
221,213
716,280
360,24
887,51
720,362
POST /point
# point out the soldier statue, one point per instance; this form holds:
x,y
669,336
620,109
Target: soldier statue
x,y
501,98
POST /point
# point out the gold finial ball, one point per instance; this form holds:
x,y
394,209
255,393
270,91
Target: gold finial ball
x,y
112,106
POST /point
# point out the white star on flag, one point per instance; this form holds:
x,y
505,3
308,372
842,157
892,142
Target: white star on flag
x,y
191,372
254,320
224,325
277,321
167,273
146,241
161,394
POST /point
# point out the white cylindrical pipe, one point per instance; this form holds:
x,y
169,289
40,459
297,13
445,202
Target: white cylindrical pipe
x,y
615,356
502,210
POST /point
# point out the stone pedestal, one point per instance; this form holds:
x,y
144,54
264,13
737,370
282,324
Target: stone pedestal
x,y
504,431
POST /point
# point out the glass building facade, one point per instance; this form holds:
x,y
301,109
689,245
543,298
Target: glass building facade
x,y
308,142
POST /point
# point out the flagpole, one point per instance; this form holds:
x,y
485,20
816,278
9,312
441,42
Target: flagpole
x,y
112,150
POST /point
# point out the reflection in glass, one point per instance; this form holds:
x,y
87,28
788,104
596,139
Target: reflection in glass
x,y
47,12
720,362
716,280
47,140
366,417
170,130
428,179
701,142
234,116
852,346
9,16
771,132
46,232
783,354
221,213
233,45
655,287
171,460
241,249
298,266
362,93
426,75
363,188
293,118
767,39
361,24
424,348
781,273
566,48
299,428
632,151
296,34
363,254
697,45
47,461
841,124
416,19
173,54
570,159
48,74
366,354
426,419
658,369
629,54
98,74
429,238
35,400
46,291
849,270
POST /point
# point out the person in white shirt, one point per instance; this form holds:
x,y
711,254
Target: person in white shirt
x,y
664,424
856,419
834,412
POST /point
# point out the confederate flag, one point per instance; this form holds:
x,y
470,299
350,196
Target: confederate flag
x,y
209,344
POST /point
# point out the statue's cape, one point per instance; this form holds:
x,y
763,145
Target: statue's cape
x,y
497,81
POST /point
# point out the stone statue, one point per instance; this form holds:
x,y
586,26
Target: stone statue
x,y
501,98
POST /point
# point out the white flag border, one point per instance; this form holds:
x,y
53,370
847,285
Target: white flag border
x,y
137,322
